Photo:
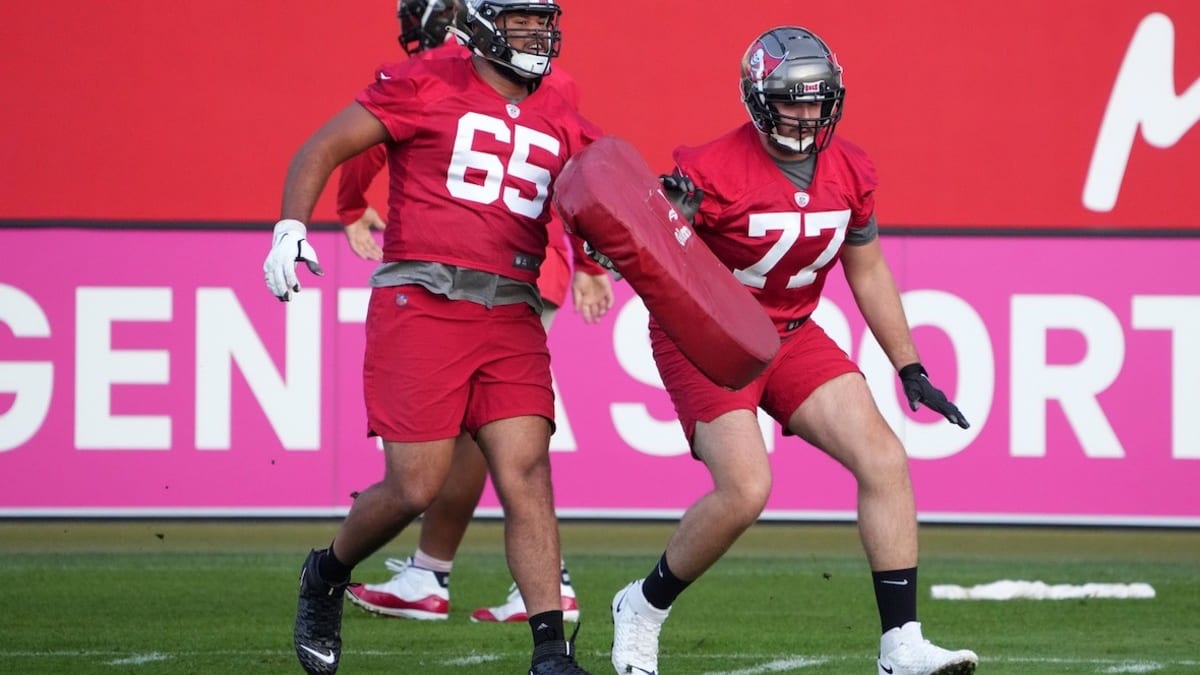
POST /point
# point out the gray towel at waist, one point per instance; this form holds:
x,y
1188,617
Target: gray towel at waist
x,y
458,283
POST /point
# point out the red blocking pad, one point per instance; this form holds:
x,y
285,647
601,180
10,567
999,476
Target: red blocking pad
x,y
609,197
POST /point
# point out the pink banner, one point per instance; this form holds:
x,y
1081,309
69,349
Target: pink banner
x,y
150,372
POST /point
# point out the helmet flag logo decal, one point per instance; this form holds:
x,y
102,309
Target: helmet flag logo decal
x,y
763,63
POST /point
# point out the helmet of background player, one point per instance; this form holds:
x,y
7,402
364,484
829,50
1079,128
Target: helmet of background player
x,y
423,23
481,25
792,65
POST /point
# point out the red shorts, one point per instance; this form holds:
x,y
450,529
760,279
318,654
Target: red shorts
x,y
434,366
807,359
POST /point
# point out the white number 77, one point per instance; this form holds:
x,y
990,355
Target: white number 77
x,y
791,224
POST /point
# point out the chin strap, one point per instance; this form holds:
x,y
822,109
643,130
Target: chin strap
x,y
792,144
530,82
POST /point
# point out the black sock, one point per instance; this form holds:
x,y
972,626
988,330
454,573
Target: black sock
x,y
332,570
896,597
547,626
661,587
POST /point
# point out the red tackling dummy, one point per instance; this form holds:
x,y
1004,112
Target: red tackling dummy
x,y
609,197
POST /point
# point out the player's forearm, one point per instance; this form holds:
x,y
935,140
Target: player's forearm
x,y
348,133
306,177
878,299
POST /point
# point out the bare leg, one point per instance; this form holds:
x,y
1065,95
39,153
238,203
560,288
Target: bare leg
x,y
447,518
413,475
841,419
518,454
732,448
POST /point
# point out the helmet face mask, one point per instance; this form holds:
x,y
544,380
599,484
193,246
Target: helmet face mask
x,y
789,65
424,23
523,51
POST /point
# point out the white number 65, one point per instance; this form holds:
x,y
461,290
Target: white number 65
x,y
522,139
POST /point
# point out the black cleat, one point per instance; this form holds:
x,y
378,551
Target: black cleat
x,y
318,632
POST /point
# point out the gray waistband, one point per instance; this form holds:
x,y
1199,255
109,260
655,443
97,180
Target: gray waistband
x,y
458,283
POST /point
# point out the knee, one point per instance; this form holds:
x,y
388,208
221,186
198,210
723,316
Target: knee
x,y
527,472
756,499
887,462
747,496
408,498
748,513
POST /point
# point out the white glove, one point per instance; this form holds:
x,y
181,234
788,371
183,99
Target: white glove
x,y
288,248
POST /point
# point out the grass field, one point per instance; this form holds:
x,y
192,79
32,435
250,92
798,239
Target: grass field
x,y
171,597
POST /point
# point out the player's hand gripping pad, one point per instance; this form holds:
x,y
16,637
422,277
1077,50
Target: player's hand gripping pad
x,y
609,197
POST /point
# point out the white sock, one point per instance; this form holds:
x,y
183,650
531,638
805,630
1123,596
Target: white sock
x,y
427,562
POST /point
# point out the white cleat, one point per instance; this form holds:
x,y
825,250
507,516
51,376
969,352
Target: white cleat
x,y
904,651
411,593
636,625
513,609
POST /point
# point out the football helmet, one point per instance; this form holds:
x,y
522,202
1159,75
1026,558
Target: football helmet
x,y
792,65
423,23
525,52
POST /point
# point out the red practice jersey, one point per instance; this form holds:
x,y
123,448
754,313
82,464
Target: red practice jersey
x,y
778,240
358,171
361,169
470,174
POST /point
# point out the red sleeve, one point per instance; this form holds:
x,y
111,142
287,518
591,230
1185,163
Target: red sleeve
x,y
590,132
394,99
356,176
559,79
863,179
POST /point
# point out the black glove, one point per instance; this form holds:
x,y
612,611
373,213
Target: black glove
x,y
683,193
601,259
918,390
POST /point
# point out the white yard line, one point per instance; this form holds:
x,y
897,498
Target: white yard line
x,y
139,659
472,660
784,666
1141,667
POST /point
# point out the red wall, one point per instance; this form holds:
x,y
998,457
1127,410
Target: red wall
x,y
977,113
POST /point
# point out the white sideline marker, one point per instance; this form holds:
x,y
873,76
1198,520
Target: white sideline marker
x,y
139,659
1040,590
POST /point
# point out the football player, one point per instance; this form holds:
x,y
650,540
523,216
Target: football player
x,y
454,338
781,200
420,585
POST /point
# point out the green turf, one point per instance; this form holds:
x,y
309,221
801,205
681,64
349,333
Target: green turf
x,y
218,597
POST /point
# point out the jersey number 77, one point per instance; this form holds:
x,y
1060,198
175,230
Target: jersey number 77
x,y
791,225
